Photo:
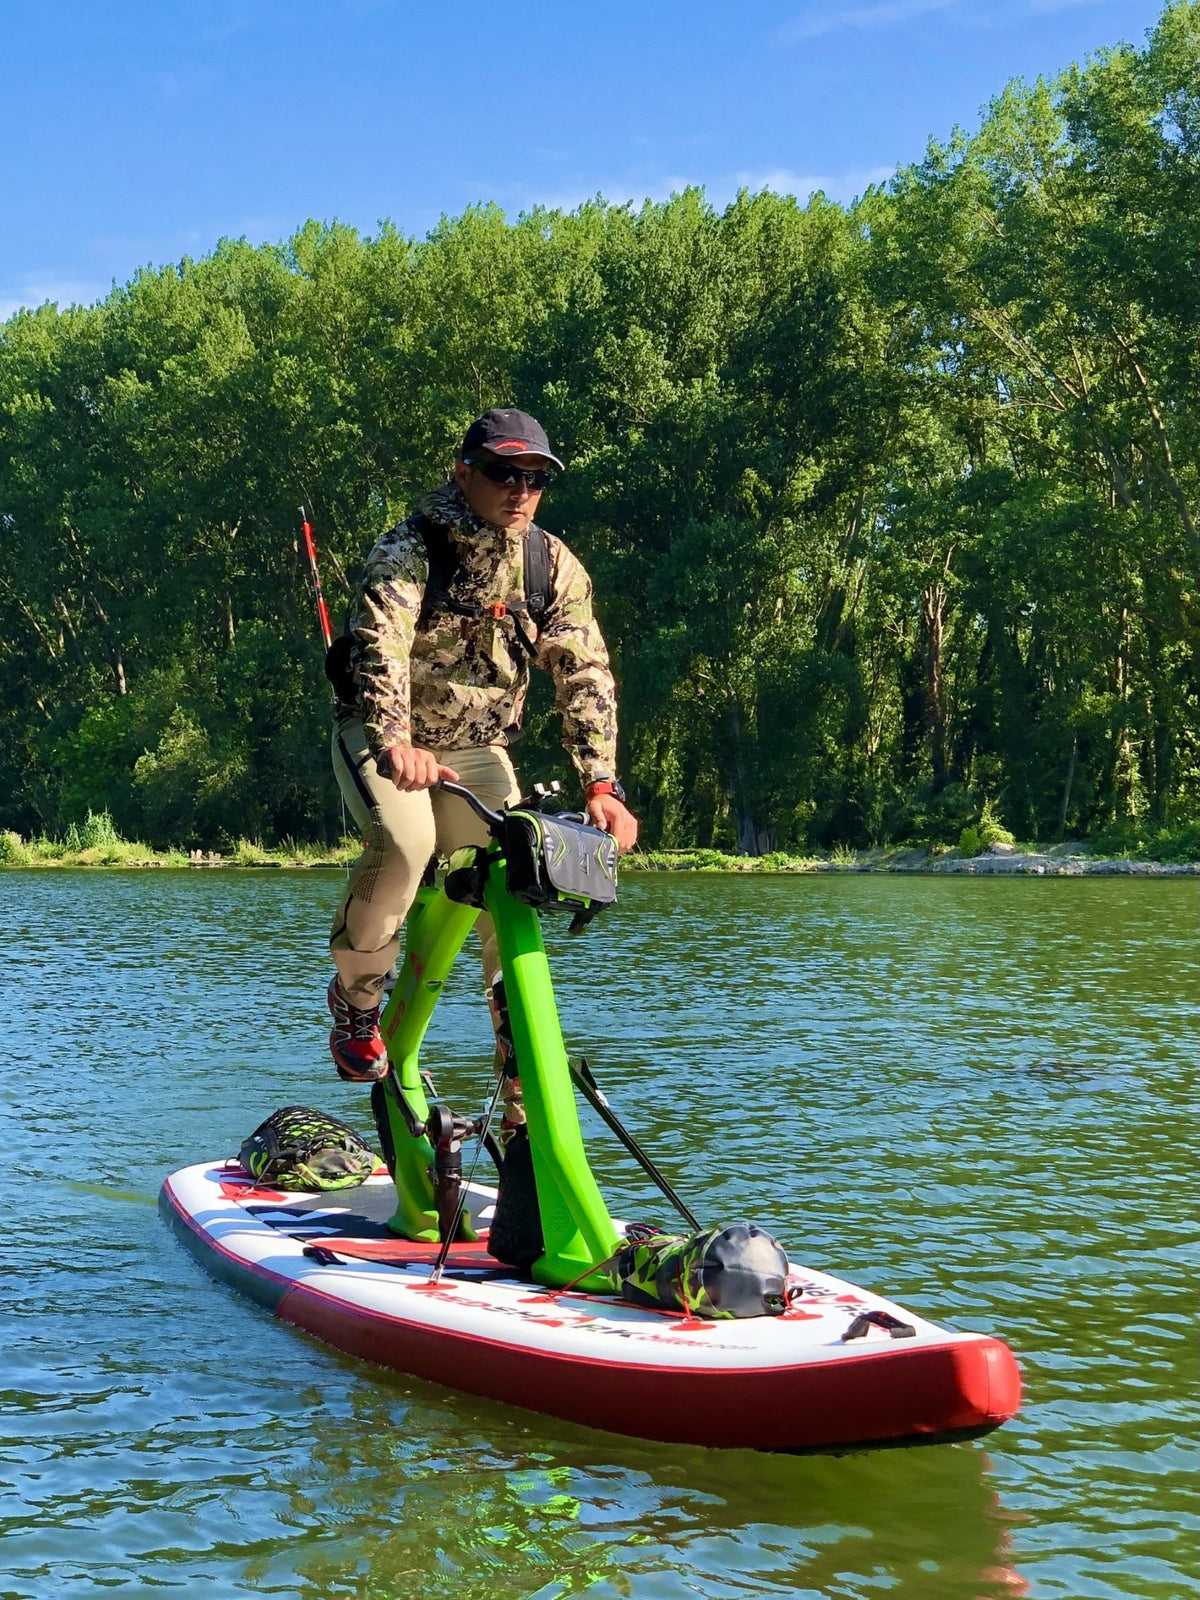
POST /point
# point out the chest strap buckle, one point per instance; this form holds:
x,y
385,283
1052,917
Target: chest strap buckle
x,y
496,611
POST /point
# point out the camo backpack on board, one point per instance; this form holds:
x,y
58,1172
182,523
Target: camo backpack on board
x,y
738,1271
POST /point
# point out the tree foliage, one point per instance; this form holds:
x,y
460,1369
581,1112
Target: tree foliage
x,y
892,510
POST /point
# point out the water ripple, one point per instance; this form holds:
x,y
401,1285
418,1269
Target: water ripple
x,y
973,1095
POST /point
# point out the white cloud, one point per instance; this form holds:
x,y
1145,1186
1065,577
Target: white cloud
x,y
818,20
36,291
821,18
840,186
720,188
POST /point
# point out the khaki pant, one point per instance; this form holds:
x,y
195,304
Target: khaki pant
x,y
400,833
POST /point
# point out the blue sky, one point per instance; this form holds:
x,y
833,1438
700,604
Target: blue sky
x,y
139,132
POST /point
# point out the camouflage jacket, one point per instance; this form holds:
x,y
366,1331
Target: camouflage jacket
x,y
462,681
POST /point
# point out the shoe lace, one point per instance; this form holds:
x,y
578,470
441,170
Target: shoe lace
x,y
364,1024
359,1024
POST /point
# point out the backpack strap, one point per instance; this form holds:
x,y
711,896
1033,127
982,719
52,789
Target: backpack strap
x,y
443,564
443,561
538,589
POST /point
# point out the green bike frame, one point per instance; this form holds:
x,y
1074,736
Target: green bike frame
x,y
578,1232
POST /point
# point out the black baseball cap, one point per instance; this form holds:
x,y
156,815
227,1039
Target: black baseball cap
x,y
507,432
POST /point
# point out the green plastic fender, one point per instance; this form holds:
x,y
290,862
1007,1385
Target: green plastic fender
x,y
435,932
578,1231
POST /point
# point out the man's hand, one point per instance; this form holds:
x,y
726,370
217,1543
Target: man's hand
x,y
410,768
607,812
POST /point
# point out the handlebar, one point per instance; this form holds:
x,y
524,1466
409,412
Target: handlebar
x,y
493,819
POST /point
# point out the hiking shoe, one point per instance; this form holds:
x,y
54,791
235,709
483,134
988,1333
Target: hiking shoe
x,y
358,1050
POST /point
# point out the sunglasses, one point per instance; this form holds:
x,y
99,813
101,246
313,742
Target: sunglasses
x,y
498,472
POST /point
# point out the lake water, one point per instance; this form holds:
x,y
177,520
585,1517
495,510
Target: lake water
x,y
971,1095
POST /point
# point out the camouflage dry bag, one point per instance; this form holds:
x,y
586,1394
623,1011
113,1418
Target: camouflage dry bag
x,y
738,1271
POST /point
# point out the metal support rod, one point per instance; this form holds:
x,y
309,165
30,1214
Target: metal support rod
x,y
581,1076
444,1251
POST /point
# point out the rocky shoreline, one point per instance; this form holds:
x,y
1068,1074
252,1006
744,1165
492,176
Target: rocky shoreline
x,y
1069,860
1000,861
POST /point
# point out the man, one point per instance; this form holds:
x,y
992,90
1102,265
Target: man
x,y
442,640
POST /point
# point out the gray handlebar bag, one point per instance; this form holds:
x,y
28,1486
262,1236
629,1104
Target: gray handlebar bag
x,y
559,864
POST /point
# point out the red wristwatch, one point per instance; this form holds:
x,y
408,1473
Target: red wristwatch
x,y
605,786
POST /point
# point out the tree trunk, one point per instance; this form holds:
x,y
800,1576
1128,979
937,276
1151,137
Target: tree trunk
x,y
1066,799
1125,776
742,820
754,837
1163,745
933,617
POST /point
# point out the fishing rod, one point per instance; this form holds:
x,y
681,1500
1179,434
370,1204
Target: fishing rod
x,y
310,546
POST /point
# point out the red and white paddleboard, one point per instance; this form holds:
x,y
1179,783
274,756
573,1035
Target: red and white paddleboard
x,y
328,1264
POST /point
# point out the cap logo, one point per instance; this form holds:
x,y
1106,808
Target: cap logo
x,y
508,444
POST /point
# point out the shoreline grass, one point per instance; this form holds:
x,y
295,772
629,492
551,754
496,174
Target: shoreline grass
x,y
43,852
987,847
1070,858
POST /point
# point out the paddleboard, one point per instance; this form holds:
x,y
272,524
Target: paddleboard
x,y
841,1368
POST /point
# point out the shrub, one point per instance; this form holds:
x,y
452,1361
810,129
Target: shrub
x,y
780,861
13,852
975,838
940,818
96,832
247,853
196,785
1180,843
44,848
1133,837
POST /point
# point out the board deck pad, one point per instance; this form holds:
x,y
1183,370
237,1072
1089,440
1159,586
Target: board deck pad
x,y
395,1252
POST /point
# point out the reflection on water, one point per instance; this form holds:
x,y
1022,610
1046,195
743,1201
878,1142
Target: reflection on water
x,y
971,1095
